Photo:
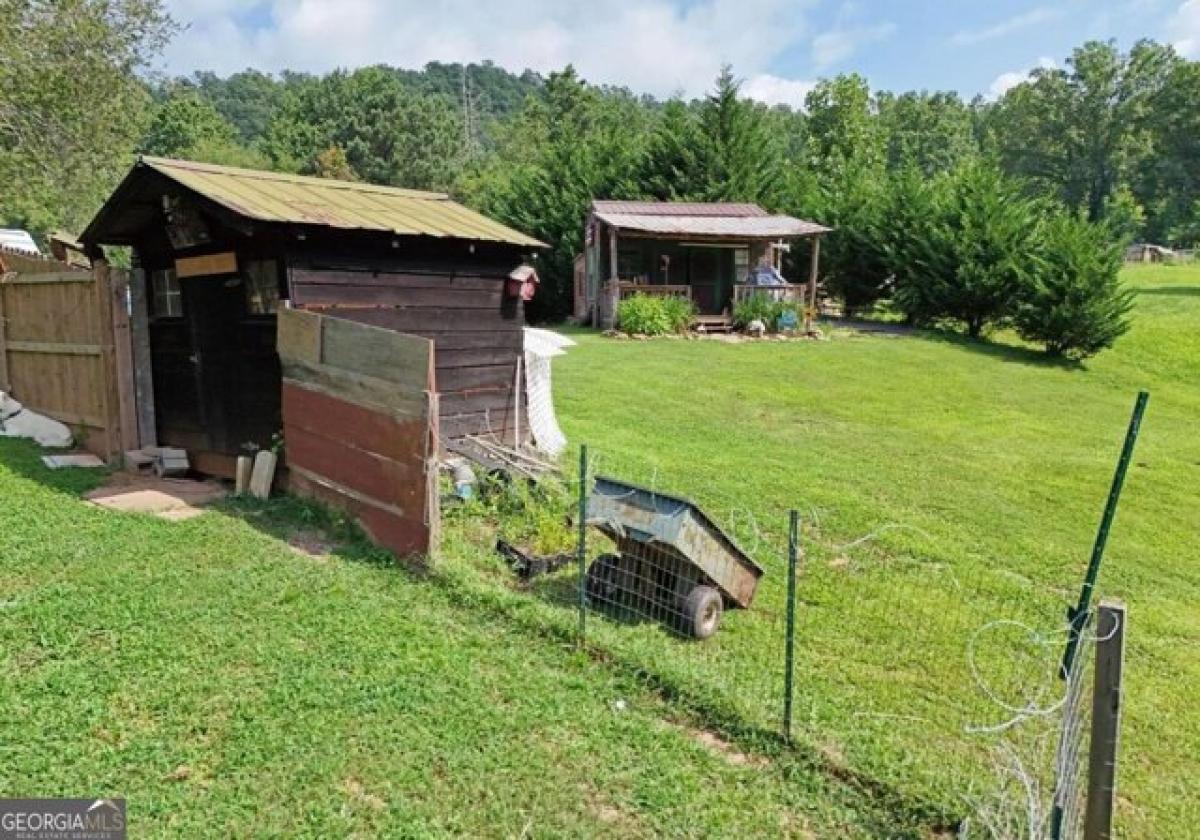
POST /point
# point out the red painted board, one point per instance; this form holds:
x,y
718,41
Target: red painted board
x,y
378,432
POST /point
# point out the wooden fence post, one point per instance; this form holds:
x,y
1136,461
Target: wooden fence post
x,y
110,398
123,359
5,384
1106,721
142,374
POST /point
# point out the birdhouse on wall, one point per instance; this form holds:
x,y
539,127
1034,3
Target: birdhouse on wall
x,y
522,283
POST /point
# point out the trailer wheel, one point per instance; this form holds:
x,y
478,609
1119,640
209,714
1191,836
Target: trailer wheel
x,y
603,578
702,612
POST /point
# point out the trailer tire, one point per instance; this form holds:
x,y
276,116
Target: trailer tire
x,y
702,612
604,579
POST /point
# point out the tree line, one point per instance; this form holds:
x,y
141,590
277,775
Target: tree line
x,y
1104,150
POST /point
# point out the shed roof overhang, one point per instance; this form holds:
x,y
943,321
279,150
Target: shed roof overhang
x,y
245,198
715,222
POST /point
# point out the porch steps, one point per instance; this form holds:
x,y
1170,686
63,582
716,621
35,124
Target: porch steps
x,y
713,324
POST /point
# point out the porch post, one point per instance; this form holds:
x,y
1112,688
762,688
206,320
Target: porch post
x,y
814,269
614,282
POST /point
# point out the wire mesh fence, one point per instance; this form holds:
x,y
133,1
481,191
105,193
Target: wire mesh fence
x,y
672,590
873,655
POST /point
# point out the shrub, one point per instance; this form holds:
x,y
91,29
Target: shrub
x,y
652,315
757,306
1075,304
969,252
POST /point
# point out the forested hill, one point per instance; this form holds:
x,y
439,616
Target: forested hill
x,y
1111,137
250,99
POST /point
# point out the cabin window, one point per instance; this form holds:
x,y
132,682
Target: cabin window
x,y
629,265
741,265
262,287
168,301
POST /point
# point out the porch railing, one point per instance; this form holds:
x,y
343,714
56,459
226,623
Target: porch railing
x,y
627,288
788,294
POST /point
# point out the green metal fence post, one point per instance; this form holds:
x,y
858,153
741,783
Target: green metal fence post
x,y
1079,614
790,653
581,549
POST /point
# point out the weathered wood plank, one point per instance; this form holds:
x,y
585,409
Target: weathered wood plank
x,y
360,390
403,535
123,360
47,277
483,376
389,434
422,321
142,365
73,419
379,353
1106,721
107,379
298,336
506,340
54,348
473,357
309,294
5,382
394,482
400,279
207,265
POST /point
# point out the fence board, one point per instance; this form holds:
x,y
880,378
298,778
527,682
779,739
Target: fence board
x,y
57,348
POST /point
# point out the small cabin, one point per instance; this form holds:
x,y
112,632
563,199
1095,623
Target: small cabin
x,y
706,252
217,251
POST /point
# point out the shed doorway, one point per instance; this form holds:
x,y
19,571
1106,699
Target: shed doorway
x,y
215,372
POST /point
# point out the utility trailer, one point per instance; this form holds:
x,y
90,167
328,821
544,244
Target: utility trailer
x,y
674,564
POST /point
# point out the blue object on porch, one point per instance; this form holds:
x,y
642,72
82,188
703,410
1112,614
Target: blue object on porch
x,y
787,320
765,275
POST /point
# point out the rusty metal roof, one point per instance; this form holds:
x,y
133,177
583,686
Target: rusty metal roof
x,y
297,199
680,208
760,227
731,221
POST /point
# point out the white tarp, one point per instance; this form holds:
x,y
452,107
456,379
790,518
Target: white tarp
x,y
18,421
540,347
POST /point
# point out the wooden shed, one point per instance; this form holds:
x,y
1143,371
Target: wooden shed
x,y
218,252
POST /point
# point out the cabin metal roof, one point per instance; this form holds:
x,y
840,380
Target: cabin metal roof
x,y
278,197
723,220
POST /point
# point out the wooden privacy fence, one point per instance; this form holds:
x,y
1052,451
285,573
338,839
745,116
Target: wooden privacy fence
x,y
360,420
64,333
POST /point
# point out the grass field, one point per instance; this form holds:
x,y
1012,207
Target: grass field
x,y
230,685
981,469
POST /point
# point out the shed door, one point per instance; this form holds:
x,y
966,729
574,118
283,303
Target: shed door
x,y
214,306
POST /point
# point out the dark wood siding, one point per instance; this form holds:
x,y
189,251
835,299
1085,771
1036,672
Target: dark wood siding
x,y
441,292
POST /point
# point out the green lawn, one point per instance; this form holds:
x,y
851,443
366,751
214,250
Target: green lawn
x,y
229,685
982,470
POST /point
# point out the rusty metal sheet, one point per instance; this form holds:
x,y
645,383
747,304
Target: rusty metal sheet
x,y
747,227
299,199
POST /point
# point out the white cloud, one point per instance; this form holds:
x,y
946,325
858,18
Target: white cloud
x,y
1026,20
774,90
1005,82
837,45
654,46
1184,29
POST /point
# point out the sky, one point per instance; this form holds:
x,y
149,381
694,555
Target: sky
x,y
668,47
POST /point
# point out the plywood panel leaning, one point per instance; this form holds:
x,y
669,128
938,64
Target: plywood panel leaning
x,y
360,422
